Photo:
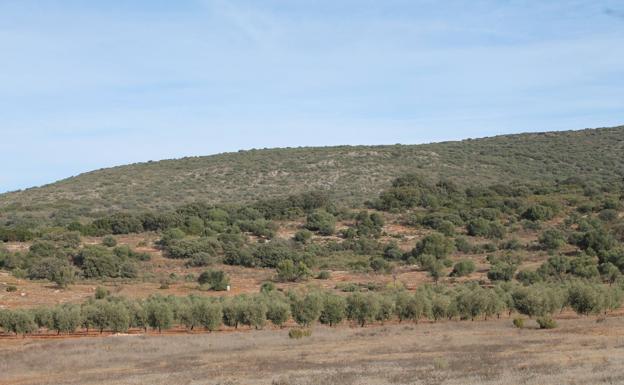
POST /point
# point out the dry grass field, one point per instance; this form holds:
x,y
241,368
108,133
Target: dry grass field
x,y
580,351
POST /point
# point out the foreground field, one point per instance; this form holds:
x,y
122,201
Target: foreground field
x,y
580,351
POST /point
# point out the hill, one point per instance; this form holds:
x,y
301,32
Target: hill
x,y
351,173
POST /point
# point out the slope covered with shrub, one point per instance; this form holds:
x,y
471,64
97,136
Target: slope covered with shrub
x,y
351,174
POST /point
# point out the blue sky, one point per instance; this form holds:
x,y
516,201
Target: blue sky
x,y
91,84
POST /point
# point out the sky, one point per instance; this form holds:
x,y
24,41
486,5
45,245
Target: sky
x,y
92,84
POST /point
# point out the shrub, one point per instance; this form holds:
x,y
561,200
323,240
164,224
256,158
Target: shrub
x,y
186,248
271,254
45,268
380,265
556,266
215,279
200,259
436,270
303,236
608,215
64,276
392,252
528,277
289,271
518,322
299,333
609,272
97,261
463,268
11,288
101,292
367,225
501,271
322,222
551,239
462,244
435,244
546,323
109,241
538,213
324,274
483,228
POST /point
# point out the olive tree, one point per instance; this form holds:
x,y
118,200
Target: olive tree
x,y
334,309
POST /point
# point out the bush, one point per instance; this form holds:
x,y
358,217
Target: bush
x,y
392,252
324,274
97,261
109,241
380,265
11,288
267,287
463,268
303,236
215,279
322,222
538,213
527,277
551,239
518,322
435,244
101,292
462,245
483,228
271,254
501,271
289,271
608,215
367,225
546,323
299,333
186,248
200,259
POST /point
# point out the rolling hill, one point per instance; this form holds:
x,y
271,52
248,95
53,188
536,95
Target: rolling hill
x,y
351,174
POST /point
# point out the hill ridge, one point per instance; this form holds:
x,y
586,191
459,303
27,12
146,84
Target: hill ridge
x,y
352,173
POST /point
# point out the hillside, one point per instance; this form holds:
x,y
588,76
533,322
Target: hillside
x,y
351,173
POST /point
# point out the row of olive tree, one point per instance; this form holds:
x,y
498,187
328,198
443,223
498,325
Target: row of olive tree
x,y
463,302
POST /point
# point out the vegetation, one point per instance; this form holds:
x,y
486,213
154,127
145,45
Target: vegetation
x,y
351,173
463,302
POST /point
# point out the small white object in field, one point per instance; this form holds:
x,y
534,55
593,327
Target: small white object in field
x,y
228,288
23,294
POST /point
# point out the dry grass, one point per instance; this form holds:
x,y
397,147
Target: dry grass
x,y
581,351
